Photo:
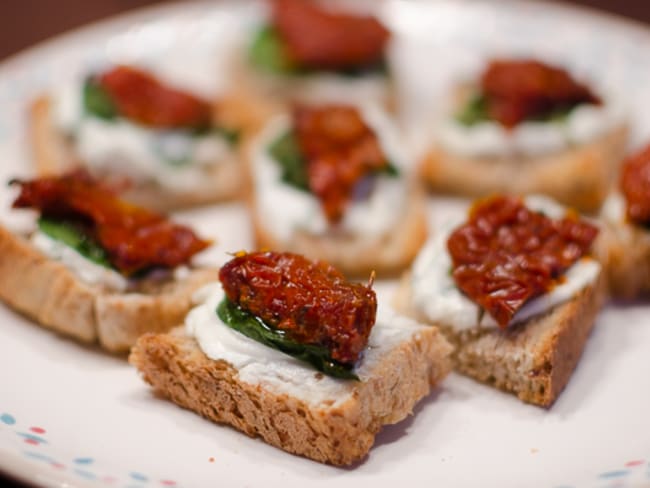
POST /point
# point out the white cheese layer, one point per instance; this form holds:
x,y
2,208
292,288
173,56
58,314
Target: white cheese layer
x,y
86,270
289,209
614,209
173,159
333,88
258,364
436,295
584,124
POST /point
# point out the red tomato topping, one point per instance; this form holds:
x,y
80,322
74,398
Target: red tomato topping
x,y
635,184
135,238
340,149
507,254
517,90
319,39
142,98
310,301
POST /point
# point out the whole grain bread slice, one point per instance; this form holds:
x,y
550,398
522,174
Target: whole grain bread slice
x,y
533,359
624,250
580,177
356,255
53,154
51,294
338,433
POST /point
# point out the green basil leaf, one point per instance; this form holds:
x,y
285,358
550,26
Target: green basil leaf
x,y
251,326
389,170
73,236
286,152
267,52
97,101
232,136
474,111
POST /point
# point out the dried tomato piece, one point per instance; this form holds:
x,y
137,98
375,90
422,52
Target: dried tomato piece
x,y
310,301
507,254
635,185
517,90
318,39
340,150
142,98
134,238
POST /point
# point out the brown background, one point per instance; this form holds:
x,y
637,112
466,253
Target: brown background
x,y
25,22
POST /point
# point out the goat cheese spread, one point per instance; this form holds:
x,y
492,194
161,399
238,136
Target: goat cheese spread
x,y
85,269
259,364
582,125
291,209
435,293
176,160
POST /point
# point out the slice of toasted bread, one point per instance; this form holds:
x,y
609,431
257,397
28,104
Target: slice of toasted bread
x,y
533,359
337,430
48,292
624,250
580,177
53,155
355,255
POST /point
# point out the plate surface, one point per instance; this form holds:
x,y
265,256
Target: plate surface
x,y
73,416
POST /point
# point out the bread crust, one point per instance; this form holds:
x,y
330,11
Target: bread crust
x,y
386,255
48,292
534,359
54,155
338,434
580,177
279,91
624,250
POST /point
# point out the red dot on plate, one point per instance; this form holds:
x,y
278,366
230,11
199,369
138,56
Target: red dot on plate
x,y
37,430
109,479
631,464
167,482
33,442
58,465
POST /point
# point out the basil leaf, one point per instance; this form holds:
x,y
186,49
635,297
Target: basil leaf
x,y
389,170
286,152
474,111
267,52
97,101
251,326
232,136
73,236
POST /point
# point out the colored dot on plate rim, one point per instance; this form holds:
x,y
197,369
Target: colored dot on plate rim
x,y
167,482
637,462
37,430
7,419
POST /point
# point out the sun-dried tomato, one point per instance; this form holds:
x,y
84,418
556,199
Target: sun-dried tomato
x,y
142,98
635,185
340,150
507,254
516,90
310,301
134,238
319,39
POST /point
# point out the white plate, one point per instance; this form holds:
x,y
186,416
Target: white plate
x,y
74,416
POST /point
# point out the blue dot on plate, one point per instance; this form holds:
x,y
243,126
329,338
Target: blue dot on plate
x,y
85,474
613,474
138,476
5,418
39,456
85,460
